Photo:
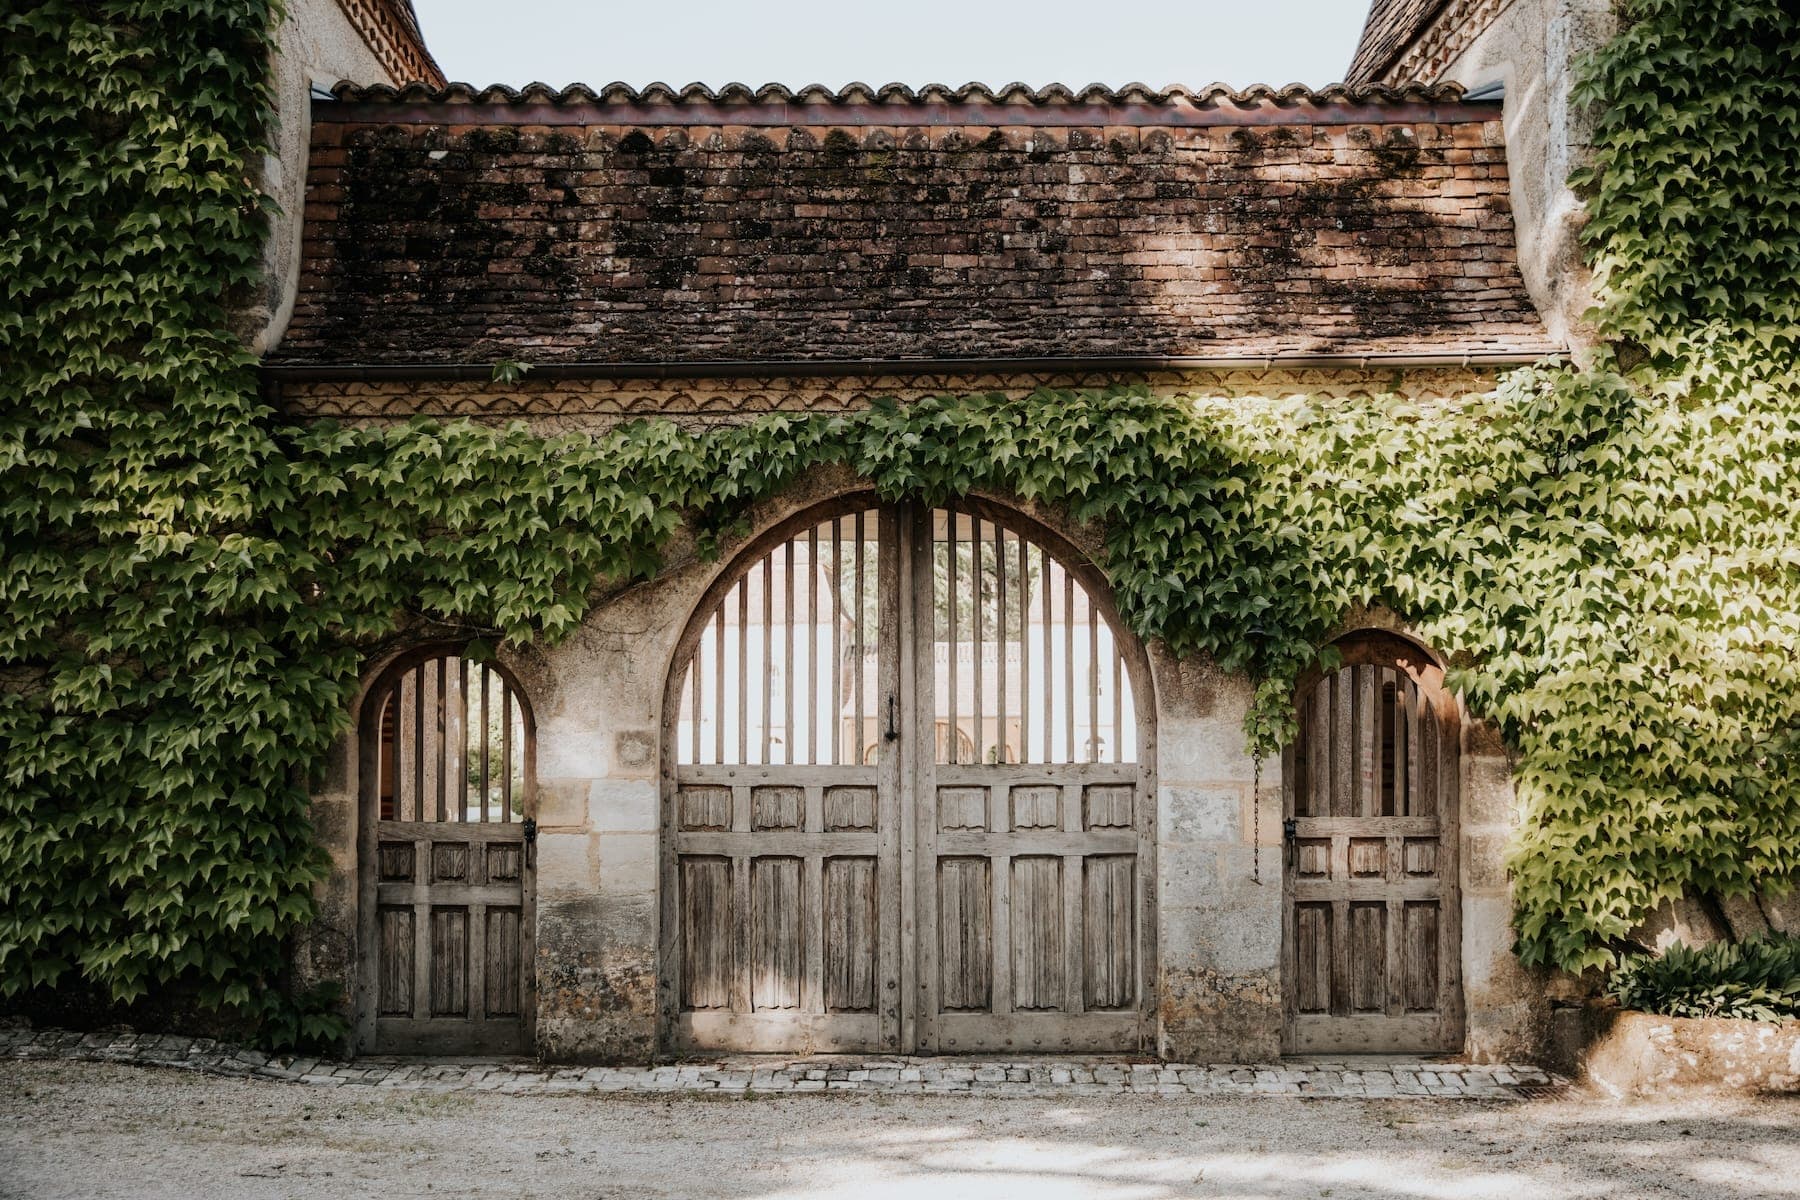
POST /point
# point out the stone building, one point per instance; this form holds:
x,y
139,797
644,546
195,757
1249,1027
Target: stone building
x,y
893,778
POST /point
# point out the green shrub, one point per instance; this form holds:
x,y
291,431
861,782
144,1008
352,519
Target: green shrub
x,y
1758,979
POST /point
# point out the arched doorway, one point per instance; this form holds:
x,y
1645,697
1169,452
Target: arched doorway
x,y
1372,919
907,794
446,870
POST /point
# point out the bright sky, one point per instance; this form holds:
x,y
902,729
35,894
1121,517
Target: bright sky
x,y
833,42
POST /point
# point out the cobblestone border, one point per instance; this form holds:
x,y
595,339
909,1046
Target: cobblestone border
x,y
1357,1078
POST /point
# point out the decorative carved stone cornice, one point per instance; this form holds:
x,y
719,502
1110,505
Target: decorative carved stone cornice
x,y
588,404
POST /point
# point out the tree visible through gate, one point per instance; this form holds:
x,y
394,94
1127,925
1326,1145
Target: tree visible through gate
x,y
908,796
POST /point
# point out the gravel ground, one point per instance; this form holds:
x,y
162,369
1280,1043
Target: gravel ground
x,y
71,1129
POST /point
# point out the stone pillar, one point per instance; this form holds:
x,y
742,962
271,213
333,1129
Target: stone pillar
x,y
325,950
1219,935
1507,1004
597,837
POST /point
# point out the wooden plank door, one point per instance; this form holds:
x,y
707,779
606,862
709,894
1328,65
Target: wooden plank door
x,y
1030,801
447,862
781,873
1372,918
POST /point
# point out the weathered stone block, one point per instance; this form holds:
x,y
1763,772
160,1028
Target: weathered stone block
x,y
1488,797
635,749
566,864
628,864
1202,814
1484,862
562,803
623,805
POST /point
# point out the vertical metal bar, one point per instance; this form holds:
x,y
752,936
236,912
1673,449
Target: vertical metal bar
x,y
789,726
1000,642
1069,662
857,749
719,685
837,641
1093,688
812,645
978,618
1049,673
743,680
443,741
1024,652
950,588
506,749
418,677
486,731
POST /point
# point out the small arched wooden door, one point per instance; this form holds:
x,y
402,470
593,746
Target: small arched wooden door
x,y
908,800
1372,915
446,853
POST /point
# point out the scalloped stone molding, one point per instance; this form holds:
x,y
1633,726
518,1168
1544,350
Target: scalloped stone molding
x,y
595,404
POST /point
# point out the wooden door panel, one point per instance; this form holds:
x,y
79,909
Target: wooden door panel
x,y
1110,931
852,934
1368,957
776,919
449,961
1311,974
1370,960
706,925
1039,970
1421,956
850,810
965,934
395,930
504,962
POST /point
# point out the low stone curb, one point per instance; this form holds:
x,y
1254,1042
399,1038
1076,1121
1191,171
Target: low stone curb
x,y
743,1076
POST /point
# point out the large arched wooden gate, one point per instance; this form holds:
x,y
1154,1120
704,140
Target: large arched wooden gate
x,y
908,806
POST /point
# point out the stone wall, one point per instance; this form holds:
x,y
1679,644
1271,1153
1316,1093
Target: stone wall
x,y
1532,48
319,44
598,701
1641,1054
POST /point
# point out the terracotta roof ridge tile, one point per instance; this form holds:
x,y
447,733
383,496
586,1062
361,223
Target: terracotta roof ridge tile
x,y
899,94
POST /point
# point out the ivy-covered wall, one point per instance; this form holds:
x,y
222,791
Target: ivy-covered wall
x,y
1611,556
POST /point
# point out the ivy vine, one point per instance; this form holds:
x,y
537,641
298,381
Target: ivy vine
x,y
1611,556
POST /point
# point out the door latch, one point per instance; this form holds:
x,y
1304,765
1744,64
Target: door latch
x,y
529,829
893,724
1290,829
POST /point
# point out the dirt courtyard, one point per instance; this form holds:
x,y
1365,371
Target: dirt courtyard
x,y
72,1129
